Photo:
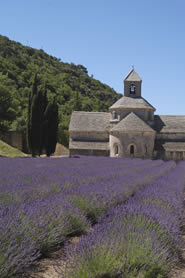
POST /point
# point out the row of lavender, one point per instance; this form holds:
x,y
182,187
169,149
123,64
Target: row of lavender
x,y
42,201
139,238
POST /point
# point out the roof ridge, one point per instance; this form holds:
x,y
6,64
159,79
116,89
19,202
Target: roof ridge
x,y
129,73
95,112
125,120
132,74
129,102
170,115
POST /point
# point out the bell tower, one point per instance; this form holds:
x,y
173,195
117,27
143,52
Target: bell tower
x,y
132,85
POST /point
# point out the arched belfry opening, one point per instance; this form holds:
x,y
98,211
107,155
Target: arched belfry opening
x,y
132,89
132,149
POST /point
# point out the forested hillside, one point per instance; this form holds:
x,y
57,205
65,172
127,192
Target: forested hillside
x,y
73,88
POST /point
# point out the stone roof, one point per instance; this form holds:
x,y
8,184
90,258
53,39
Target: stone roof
x,y
169,123
133,76
132,123
129,102
89,145
89,121
174,146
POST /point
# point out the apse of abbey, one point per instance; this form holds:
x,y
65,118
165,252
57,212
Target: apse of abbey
x,y
129,129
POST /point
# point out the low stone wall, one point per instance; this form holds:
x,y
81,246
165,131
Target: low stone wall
x,y
14,139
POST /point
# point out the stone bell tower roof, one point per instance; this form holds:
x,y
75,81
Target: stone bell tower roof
x,y
133,76
132,103
132,84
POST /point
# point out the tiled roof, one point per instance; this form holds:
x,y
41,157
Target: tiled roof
x,y
129,102
174,146
133,76
132,123
169,123
89,121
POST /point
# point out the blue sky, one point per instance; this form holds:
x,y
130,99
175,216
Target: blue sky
x,y
108,37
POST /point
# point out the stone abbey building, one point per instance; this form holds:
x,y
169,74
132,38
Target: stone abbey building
x,y
129,129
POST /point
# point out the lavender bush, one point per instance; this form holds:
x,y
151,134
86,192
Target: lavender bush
x,y
137,239
43,201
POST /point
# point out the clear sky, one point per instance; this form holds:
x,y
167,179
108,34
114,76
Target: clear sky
x,y
108,37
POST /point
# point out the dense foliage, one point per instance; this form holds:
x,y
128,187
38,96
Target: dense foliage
x,y
6,112
50,128
43,201
42,121
73,88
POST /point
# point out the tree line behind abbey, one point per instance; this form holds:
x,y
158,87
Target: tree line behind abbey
x,y
67,85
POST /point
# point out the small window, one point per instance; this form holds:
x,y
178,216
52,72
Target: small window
x,y
114,116
116,150
132,90
150,116
132,149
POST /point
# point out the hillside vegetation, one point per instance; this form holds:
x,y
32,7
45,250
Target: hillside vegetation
x,y
73,88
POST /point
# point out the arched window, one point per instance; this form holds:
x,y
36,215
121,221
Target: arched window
x,y
132,89
132,149
116,150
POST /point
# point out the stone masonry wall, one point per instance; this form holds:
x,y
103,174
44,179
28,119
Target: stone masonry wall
x,y
90,136
143,144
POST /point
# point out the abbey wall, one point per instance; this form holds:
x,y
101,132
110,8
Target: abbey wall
x,y
129,129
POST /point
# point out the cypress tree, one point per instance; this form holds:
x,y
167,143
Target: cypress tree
x,y
36,123
44,104
28,122
30,130
50,128
42,122
36,107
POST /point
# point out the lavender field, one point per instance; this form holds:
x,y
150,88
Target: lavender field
x,y
135,207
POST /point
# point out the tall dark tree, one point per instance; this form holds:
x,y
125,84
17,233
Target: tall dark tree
x,y
51,128
36,123
6,112
28,132
30,125
44,104
36,108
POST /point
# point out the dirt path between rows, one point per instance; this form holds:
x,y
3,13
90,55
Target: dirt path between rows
x,y
46,267
179,270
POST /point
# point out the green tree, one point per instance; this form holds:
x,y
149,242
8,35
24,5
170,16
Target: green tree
x,y
36,107
30,117
36,123
50,128
43,106
77,102
7,113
